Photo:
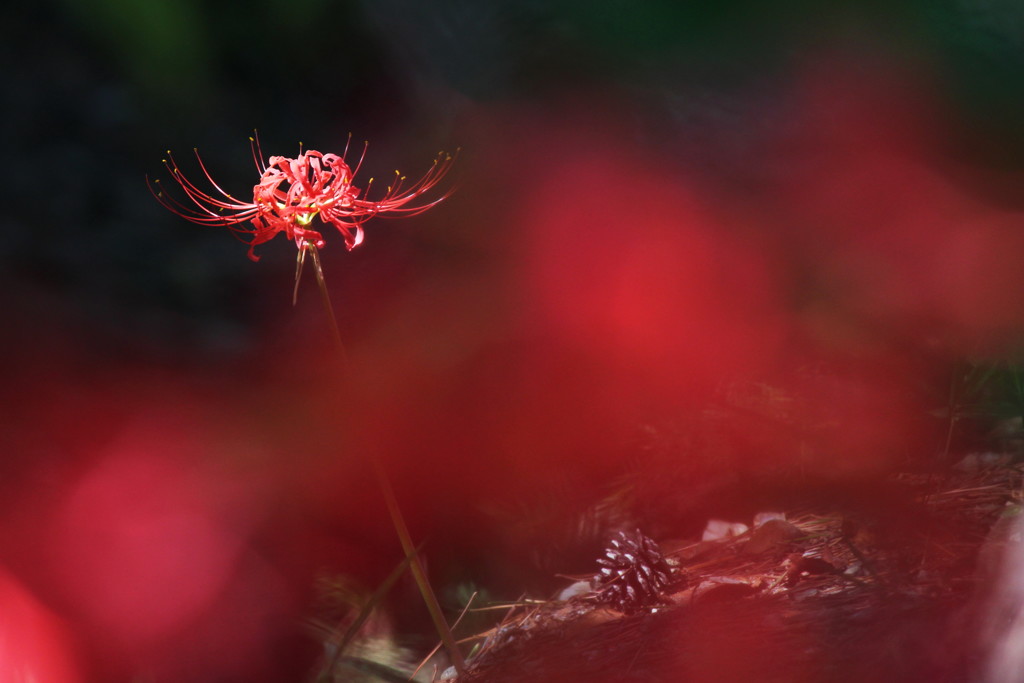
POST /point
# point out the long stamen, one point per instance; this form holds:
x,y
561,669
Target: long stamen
x,y
204,200
202,214
257,152
359,164
212,181
347,143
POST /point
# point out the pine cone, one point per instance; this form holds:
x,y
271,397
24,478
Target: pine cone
x,y
634,573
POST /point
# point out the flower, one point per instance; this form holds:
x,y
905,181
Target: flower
x,y
292,192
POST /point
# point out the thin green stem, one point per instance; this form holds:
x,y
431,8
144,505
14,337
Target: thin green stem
x,y
418,573
325,299
397,519
300,262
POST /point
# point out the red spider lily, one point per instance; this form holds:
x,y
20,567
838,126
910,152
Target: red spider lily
x,y
292,192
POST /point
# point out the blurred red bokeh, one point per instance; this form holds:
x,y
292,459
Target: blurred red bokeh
x,y
35,645
625,264
888,221
138,543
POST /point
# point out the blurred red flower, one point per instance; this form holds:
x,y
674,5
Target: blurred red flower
x,y
292,192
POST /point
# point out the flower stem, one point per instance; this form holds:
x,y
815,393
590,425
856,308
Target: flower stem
x,y
397,519
325,298
418,573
